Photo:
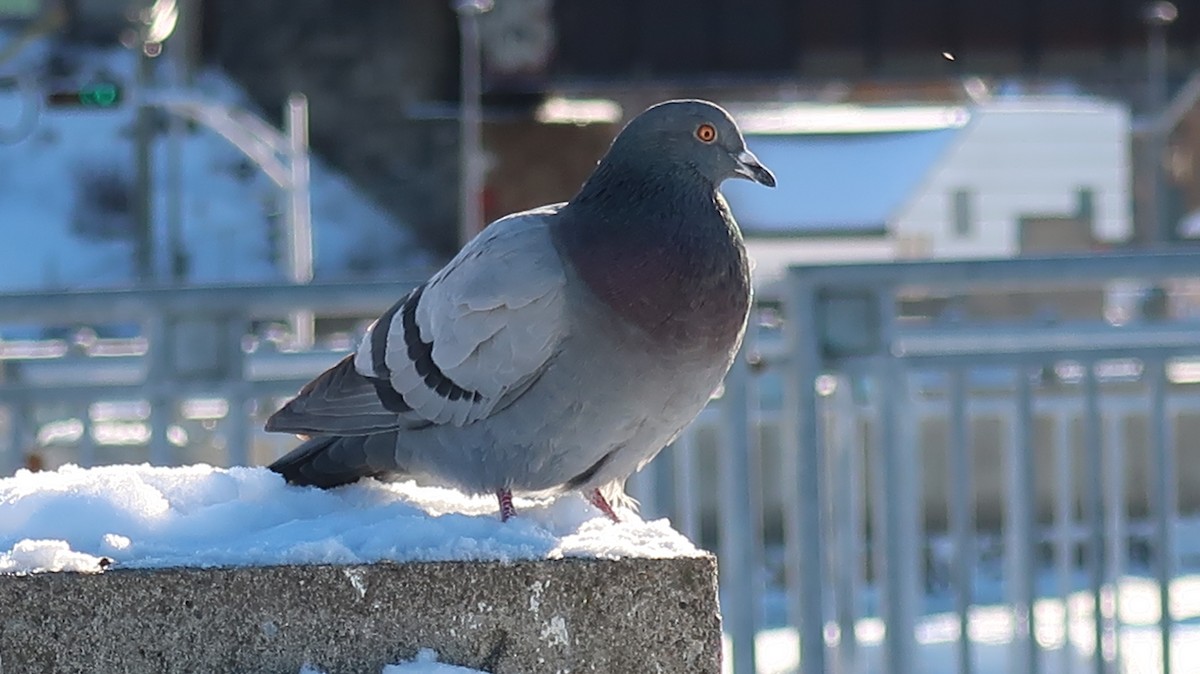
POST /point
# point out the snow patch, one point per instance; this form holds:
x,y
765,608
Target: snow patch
x,y
227,209
426,662
555,632
356,581
76,519
47,555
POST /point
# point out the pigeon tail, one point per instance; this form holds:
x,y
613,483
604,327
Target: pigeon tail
x,y
328,461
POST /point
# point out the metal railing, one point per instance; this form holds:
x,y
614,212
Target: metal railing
x,y
188,342
863,344
883,430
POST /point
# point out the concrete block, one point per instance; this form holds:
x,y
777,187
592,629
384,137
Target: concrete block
x,y
558,616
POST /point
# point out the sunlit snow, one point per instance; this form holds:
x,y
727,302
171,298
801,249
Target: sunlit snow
x,y
76,519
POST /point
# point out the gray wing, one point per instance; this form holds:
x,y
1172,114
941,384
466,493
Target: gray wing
x,y
456,349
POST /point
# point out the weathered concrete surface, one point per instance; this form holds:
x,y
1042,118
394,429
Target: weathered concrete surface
x,y
573,615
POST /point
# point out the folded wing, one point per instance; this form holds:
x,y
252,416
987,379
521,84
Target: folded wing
x,y
456,349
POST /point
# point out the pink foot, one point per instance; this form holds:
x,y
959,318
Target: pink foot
x,y
597,499
506,505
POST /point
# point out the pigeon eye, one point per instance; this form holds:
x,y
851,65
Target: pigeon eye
x,y
707,133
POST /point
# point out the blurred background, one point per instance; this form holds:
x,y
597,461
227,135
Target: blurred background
x,y
203,203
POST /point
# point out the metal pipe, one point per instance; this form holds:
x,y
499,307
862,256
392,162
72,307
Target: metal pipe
x,y
178,52
684,470
299,215
901,534
470,128
1114,519
255,301
801,399
160,329
1064,542
846,526
737,542
1163,499
643,487
962,514
1094,511
237,394
143,136
1019,526
1157,15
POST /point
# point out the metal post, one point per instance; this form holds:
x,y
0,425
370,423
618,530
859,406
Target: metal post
x,y
962,514
1019,527
801,395
1064,548
238,416
176,134
160,332
1094,512
299,215
174,202
878,504
143,134
846,526
643,486
1158,15
470,121
87,441
187,40
1114,519
684,464
736,537
901,535
20,435
1163,500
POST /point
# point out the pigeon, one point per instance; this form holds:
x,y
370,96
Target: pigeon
x,y
564,346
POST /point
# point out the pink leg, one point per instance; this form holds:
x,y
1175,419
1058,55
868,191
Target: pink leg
x,y
506,505
597,499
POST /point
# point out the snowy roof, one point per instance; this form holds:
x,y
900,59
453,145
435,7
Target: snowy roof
x,y
835,183
227,207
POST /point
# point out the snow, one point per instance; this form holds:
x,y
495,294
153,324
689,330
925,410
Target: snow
x,y
426,662
76,519
226,209
1065,630
1066,638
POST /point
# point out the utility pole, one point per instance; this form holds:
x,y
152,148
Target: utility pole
x,y
470,119
143,133
1158,16
153,24
177,257
182,54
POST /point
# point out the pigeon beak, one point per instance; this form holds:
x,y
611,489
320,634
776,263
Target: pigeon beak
x,y
750,168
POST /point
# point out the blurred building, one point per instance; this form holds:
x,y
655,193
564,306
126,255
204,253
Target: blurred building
x,y
383,78
999,178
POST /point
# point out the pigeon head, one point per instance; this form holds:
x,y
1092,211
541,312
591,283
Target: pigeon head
x,y
691,134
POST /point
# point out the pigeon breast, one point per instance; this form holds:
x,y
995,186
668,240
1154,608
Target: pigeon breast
x,y
674,268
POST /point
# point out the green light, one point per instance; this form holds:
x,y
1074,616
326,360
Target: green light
x,y
103,95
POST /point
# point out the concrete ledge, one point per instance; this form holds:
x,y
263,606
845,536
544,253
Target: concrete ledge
x,y
570,615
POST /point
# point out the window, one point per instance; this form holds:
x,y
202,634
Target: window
x,y
963,220
1086,208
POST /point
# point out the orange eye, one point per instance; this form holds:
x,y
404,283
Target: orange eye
x,y
707,133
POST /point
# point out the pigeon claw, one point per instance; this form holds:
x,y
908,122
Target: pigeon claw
x,y
597,499
506,505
